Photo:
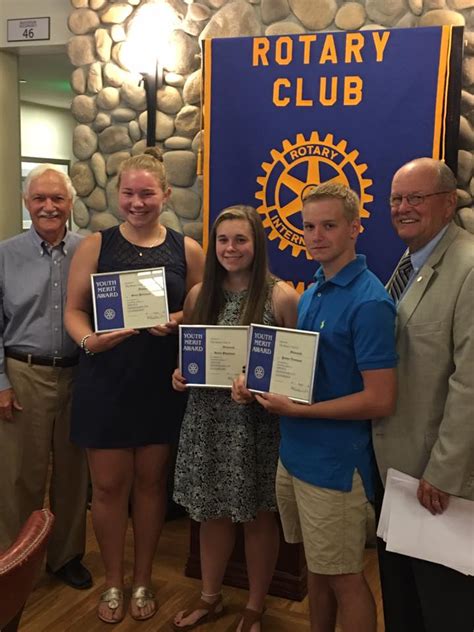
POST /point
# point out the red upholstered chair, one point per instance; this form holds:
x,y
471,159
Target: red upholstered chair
x,y
20,565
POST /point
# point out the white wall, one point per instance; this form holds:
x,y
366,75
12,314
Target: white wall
x,y
46,132
57,10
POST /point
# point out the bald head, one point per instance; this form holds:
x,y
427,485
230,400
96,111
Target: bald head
x,y
431,169
423,200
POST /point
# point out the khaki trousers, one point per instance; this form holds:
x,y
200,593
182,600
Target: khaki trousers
x,y
26,445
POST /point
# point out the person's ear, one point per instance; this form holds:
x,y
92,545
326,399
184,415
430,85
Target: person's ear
x,y
355,228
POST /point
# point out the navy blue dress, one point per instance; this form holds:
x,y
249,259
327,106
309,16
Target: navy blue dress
x,y
123,397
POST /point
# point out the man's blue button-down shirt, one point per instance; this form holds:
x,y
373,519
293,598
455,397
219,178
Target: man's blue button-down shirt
x,y
33,283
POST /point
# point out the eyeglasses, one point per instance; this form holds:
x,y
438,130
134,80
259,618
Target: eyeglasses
x,y
413,199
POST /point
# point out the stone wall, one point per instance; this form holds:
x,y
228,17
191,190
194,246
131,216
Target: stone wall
x,y
110,107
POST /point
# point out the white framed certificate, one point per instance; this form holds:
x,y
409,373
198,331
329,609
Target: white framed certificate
x,y
134,299
212,355
282,361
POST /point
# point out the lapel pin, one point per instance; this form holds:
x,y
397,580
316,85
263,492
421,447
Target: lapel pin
x,y
420,278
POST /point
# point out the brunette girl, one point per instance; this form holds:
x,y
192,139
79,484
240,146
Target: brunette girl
x,y
227,457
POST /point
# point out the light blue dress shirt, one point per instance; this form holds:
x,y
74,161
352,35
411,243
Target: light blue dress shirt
x,y
420,257
33,283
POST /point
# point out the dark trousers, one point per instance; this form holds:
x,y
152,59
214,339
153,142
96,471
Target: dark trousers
x,y
420,596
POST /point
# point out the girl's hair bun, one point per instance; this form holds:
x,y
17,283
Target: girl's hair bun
x,y
155,152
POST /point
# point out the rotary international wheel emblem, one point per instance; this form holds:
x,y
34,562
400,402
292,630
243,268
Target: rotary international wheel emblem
x,y
294,170
193,368
109,313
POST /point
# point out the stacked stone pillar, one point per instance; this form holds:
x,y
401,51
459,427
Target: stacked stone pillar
x,y
110,105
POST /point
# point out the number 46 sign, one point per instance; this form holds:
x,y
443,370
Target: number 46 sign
x,y
28,29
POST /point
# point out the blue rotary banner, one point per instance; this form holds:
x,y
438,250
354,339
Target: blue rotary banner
x,y
285,113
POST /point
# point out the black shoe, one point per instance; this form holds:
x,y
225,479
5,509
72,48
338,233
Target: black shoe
x,y
73,574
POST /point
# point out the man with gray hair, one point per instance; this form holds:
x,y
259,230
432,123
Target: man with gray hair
x,y
37,364
430,435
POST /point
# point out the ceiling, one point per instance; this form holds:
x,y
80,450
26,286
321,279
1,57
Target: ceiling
x,y
47,77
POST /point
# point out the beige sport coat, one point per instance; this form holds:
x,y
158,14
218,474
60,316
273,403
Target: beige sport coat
x,y
431,433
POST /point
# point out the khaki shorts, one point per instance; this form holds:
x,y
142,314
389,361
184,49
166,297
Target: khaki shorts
x,y
331,524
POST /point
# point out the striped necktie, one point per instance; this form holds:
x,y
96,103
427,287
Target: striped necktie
x,y
400,278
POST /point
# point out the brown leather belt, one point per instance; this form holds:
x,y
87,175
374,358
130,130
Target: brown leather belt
x,y
62,363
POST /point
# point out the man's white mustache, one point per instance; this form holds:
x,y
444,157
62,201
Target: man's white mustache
x,y
49,215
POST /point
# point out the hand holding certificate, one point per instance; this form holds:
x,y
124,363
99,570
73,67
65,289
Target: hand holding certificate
x,y
212,355
282,361
132,299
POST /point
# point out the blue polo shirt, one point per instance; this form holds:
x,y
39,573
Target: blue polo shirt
x,y
356,320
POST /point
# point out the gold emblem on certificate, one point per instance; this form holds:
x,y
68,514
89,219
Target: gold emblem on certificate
x,y
282,361
212,355
131,299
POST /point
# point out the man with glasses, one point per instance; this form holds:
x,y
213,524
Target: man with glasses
x,y
431,434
